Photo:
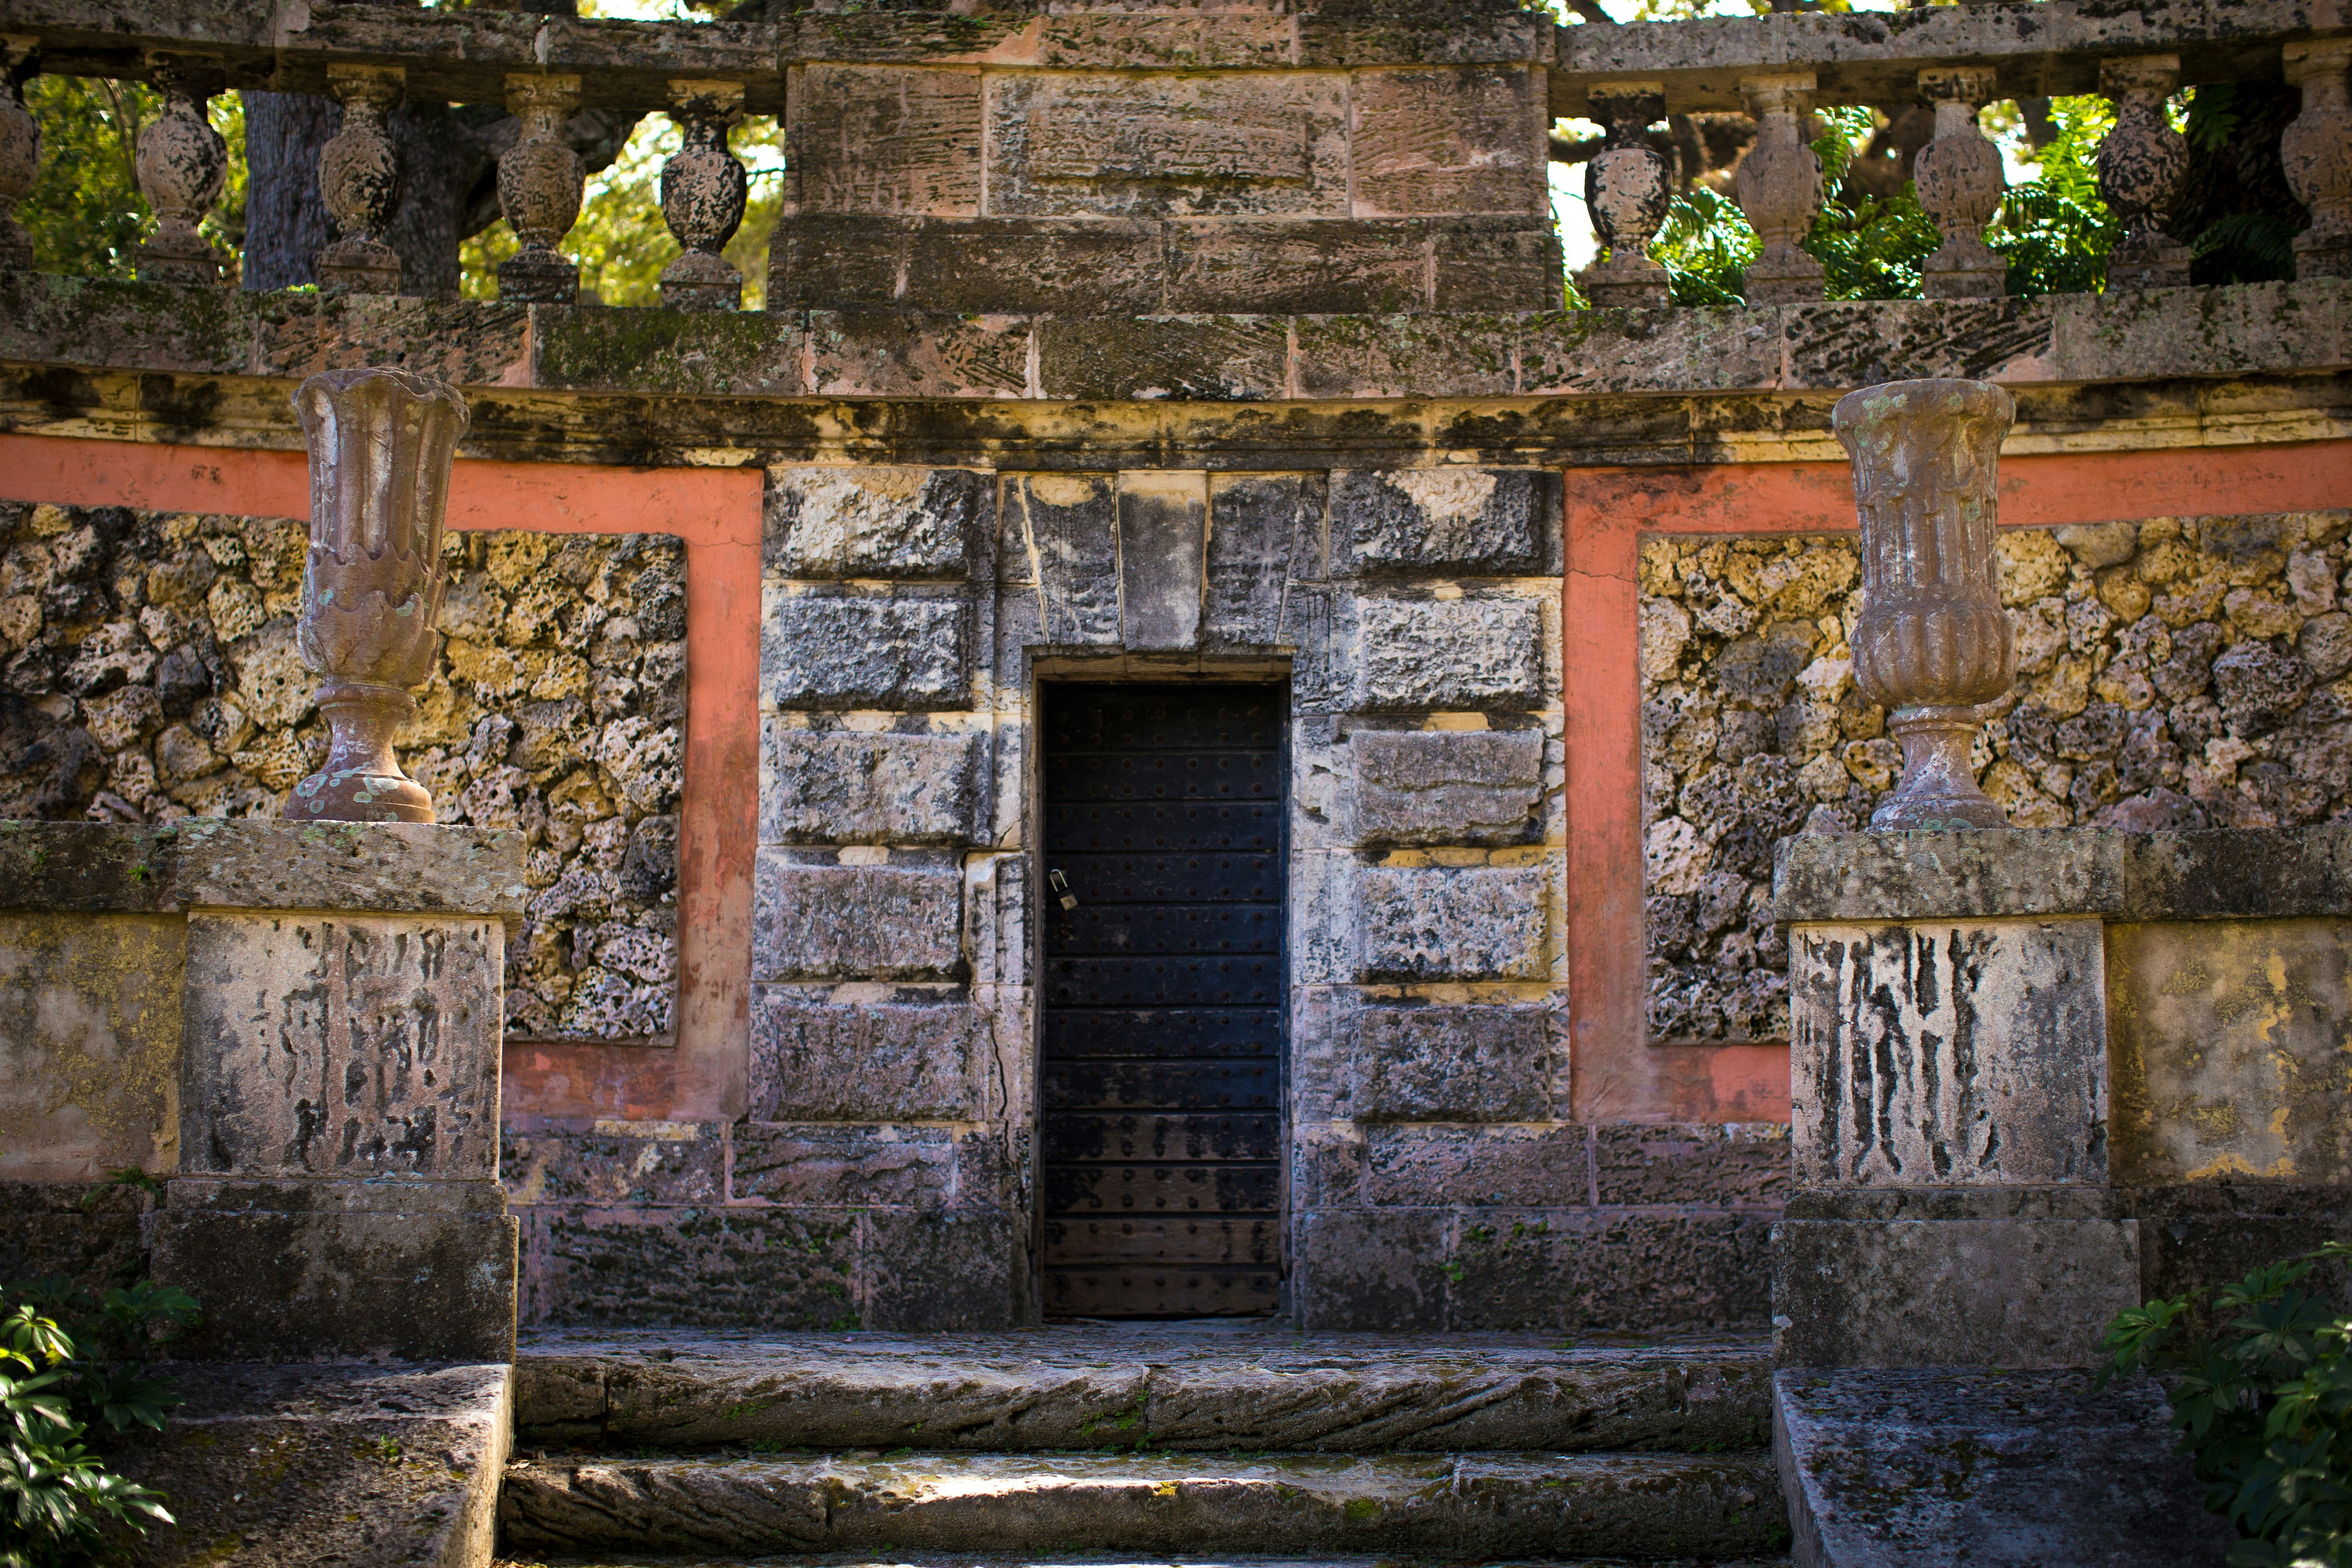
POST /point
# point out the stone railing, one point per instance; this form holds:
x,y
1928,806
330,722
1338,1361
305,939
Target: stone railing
x,y
1231,119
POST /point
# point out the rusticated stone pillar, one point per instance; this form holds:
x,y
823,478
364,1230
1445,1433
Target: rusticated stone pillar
x,y
1626,188
182,164
1780,189
2316,151
2141,165
1932,640
358,175
702,192
1959,181
20,153
539,188
381,444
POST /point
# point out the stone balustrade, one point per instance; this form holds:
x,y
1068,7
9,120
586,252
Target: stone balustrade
x,y
1330,160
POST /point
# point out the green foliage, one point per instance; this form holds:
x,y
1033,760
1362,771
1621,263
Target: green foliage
x,y
69,1360
1868,249
85,211
2263,1404
2055,228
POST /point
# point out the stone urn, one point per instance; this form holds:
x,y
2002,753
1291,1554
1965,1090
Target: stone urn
x,y
1932,641
381,444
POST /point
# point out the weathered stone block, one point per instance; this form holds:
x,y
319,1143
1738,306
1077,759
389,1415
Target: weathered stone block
x,y
1370,1268
1163,525
1194,358
1468,140
1060,531
1948,1054
732,1267
1430,923
1979,874
48,1228
2011,1291
855,921
859,651
874,522
947,1270
620,1162
1489,265
348,1046
324,1284
1643,1270
379,866
89,1045
1421,787
845,787
1090,145
884,139
2228,1040
1310,268
818,1165
1496,521
1443,1063
1082,267
1893,1467
1404,356
1539,1166
902,353
1449,654
1253,521
1710,1167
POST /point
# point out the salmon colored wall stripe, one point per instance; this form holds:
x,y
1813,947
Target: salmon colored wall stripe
x,y
716,512
1617,1076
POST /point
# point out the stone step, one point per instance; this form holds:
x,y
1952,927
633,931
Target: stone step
x,y
1163,1387
1544,1505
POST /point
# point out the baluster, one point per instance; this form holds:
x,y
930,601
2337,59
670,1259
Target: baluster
x,y
702,192
2141,165
182,164
1625,190
1960,182
539,188
358,175
2317,150
1781,188
20,151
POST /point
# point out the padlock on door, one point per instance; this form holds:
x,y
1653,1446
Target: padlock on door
x,y
1061,886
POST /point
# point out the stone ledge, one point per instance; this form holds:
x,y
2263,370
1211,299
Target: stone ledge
x,y
2237,874
1883,1469
377,867
368,1467
2230,331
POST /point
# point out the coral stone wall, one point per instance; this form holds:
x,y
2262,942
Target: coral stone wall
x,y
149,673
2175,673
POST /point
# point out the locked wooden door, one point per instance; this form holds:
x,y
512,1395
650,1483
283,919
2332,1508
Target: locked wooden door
x,y
1163,999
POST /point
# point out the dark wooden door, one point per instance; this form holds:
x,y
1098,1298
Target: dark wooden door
x,y
1163,997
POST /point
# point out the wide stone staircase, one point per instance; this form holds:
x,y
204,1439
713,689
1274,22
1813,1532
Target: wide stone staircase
x,y
1174,1440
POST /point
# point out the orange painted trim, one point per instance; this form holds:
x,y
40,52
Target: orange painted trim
x,y
1616,1075
716,512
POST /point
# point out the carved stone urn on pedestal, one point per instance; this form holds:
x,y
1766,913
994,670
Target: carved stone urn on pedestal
x,y
381,445
1932,641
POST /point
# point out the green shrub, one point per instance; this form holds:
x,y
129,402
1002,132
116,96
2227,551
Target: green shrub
x,y
2263,1399
70,1360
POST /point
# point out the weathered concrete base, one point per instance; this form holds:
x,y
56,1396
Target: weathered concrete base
x,y
2002,1469
1173,1388
1470,1504
288,1467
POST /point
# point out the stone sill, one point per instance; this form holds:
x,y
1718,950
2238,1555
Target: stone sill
x,y
2238,874
386,867
1823,348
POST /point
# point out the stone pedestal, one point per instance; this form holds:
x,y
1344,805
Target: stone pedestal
x,y
2040,1076
296,1028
